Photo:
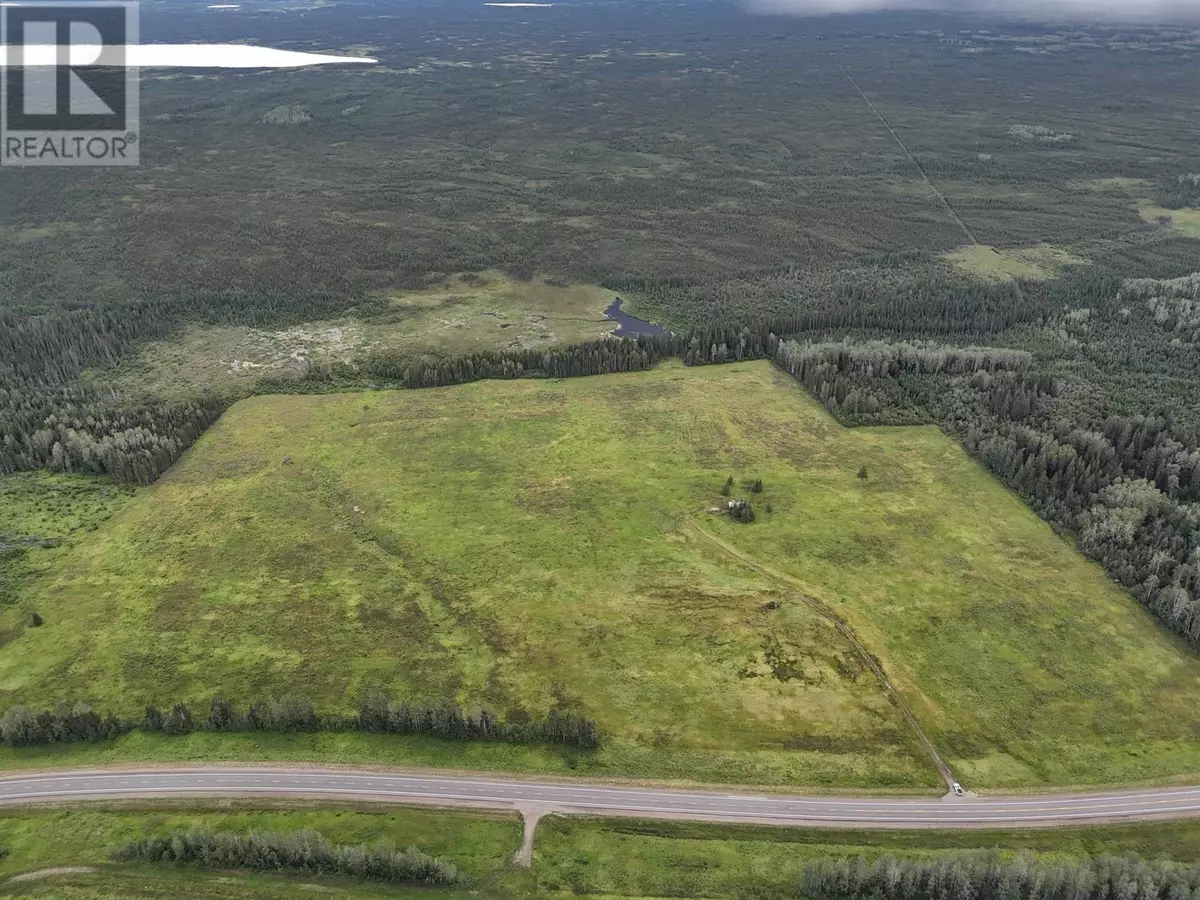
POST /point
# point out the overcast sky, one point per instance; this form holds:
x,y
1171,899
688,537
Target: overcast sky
x,y
1092,10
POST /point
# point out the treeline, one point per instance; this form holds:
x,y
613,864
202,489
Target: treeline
x,y
67,723
988,876
307,852
593,358
380,714
888,360
84,430
882,383
714,343
898,301
53,419
1147,537
50,417
79,723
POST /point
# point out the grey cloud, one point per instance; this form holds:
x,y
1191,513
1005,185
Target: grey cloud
x,y
1087,10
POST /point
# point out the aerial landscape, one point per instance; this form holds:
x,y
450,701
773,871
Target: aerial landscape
x,y
629,448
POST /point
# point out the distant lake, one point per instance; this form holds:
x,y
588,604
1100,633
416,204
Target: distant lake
x,y
629,326
195,56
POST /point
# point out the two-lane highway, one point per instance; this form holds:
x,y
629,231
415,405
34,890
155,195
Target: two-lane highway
x,y
584,798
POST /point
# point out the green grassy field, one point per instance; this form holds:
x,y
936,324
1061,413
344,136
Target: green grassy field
x,y
1028,263
42,512
527,545
40,507
480,844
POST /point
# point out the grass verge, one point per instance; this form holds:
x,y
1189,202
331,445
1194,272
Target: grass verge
x,y
640,858
480,844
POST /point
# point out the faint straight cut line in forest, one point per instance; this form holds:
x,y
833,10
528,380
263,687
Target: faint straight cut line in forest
x,y
903,146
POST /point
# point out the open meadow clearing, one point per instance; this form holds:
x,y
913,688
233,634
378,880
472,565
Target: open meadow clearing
x,y
1029,263
530,545
460,314
1186,221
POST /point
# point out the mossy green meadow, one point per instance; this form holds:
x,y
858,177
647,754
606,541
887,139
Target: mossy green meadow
x,y
527,545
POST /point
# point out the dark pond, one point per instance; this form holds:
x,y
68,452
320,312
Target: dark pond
x,y
627,325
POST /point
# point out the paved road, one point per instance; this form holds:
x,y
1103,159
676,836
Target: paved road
x,y
596,799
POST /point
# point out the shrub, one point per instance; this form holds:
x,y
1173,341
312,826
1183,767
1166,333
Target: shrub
x,y
304,851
